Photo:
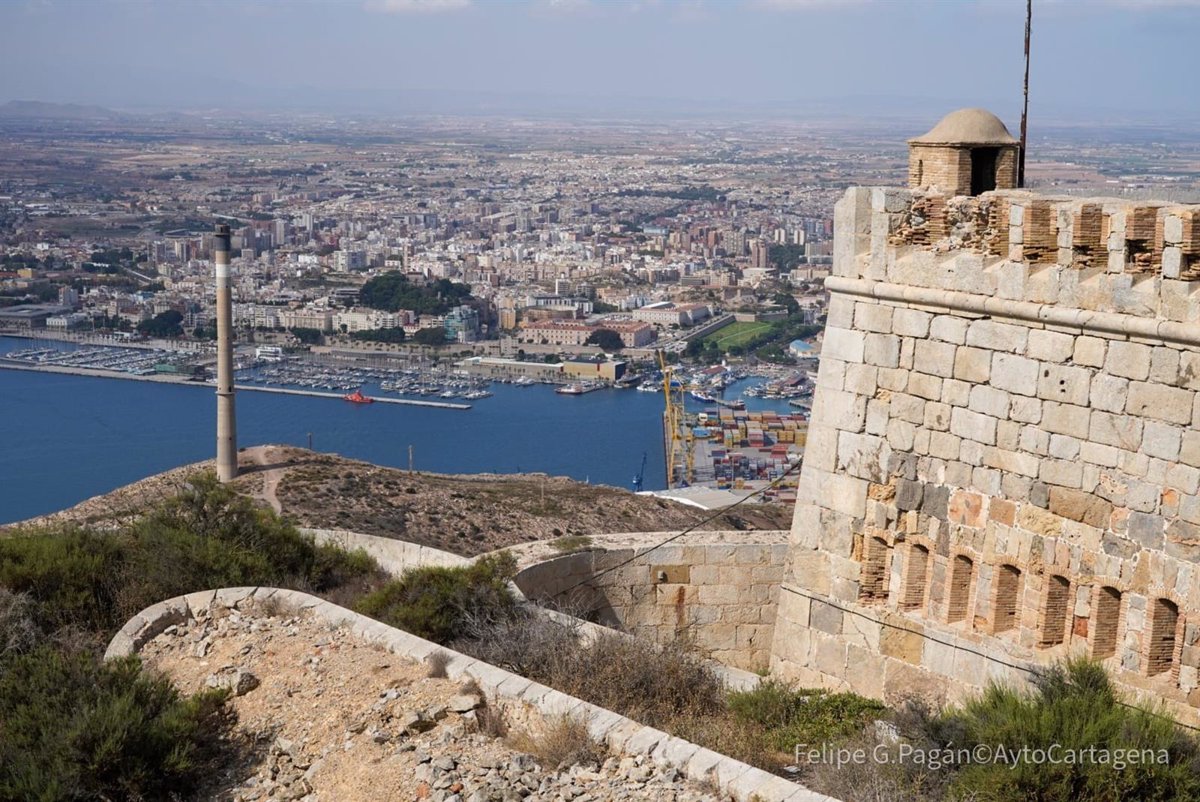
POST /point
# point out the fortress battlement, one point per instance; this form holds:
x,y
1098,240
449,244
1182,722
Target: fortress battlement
x,y
1094,254
1003,460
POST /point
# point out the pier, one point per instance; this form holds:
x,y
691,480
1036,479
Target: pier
x,y
375,399
180,380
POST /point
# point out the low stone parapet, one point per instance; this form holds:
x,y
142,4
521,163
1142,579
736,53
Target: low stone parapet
x,y
505,690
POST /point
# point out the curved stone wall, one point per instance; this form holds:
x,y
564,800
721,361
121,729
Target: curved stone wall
x,y
506,691
720,589
393,556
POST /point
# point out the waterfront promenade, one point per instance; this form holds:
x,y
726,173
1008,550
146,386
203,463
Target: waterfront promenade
x,y
181,380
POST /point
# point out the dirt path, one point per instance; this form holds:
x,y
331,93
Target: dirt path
x,y
266,458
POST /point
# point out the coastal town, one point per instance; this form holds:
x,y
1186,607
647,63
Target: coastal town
x,y
423,263
529,248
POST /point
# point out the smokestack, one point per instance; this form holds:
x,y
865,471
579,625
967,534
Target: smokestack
x,y
227,461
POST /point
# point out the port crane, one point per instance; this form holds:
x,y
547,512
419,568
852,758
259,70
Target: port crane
x,y
640,477
679,452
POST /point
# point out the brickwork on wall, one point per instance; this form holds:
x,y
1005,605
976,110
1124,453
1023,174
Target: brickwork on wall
x,y
948,168
1023,397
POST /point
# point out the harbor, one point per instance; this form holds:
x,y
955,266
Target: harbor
x,y
164,378
63,417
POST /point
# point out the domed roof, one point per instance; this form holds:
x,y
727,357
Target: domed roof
x,y
967,127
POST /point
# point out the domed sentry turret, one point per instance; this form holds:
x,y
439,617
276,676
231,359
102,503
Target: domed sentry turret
x,y
968,152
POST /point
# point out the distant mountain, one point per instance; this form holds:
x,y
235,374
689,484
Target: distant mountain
x,y
37,110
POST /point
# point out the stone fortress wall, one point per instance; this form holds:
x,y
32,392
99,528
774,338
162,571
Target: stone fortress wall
x,y
720,590
1003,462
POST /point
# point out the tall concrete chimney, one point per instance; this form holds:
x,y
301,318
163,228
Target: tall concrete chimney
x,y
227,460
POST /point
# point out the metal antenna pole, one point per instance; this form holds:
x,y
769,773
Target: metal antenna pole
x,y
1025,109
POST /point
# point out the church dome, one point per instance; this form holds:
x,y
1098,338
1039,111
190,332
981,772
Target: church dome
x,y
967,127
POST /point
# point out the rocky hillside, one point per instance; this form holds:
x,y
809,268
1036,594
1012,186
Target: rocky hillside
x,y
465,514
327,717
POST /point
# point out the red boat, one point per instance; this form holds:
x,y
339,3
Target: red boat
x,y
357,397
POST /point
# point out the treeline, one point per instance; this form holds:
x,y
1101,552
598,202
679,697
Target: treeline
x,y
434,335
392,292
684,194
785,256
164,324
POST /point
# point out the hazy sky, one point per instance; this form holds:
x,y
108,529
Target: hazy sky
x,y
1099,58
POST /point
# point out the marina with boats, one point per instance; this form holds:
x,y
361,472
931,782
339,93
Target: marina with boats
x,y
710,437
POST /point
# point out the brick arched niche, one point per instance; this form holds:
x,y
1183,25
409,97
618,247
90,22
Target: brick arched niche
x,y
962,580
873,586
1106,621
916,577
1162,640
1006,600
1056,609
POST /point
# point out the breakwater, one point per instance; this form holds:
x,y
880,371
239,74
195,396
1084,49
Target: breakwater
x,y
183,381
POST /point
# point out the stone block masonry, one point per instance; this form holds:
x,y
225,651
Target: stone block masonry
x,y
1020,482
718,590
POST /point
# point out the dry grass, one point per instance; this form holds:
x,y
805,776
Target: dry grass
x,y
668,687
564,742
435,664
490,722
571,544
18,632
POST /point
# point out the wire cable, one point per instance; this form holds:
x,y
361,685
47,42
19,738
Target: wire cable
x,y
716,514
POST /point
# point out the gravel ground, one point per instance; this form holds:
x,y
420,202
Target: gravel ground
x,y
333,718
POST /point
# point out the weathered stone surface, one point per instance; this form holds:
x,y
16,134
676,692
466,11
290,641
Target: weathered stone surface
x,y
1146,530
908,494
238,682
1060,440
1015,374
1161,403
1083,507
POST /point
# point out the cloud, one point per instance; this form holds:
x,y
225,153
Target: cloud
x,y
416,6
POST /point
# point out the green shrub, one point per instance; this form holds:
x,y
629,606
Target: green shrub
x,y
206,537
73,727
569,544
70,573
439,603
1072,706
793,716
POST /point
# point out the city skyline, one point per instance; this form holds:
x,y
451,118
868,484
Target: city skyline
x,y
1097,60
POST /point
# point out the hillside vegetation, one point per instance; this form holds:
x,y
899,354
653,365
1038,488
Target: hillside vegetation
x,y
75,727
